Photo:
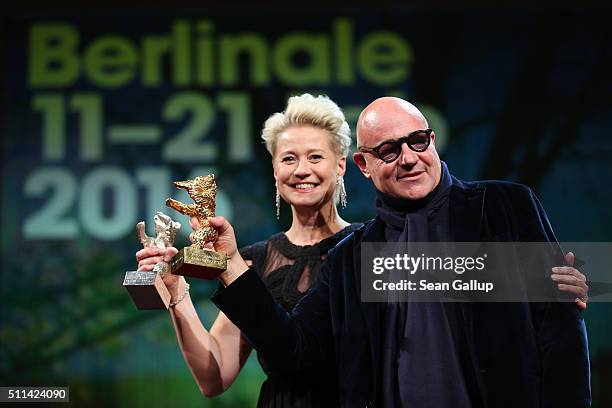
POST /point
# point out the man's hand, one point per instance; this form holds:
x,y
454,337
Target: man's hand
x,y
569,279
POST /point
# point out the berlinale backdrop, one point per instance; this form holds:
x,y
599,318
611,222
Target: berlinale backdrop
x,y
102,109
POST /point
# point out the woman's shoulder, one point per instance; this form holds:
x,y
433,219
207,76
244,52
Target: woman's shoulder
x,y
259,247
257,252
330,242
280,243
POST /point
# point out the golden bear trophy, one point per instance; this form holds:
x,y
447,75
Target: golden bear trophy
x,y
197,261
147,289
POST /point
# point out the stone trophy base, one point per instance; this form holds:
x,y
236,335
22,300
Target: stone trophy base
x,y
199,263
147,290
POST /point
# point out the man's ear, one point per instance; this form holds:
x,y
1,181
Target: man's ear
x,y
361,163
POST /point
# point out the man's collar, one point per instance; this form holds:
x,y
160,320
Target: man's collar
x,y
466,211
466,202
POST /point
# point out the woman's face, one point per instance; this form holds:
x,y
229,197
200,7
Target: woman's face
x,y
306,167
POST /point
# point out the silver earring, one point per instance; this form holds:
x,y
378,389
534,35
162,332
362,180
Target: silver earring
x,y
277,204
342,191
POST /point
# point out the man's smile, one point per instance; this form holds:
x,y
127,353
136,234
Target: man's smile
x,y
410,176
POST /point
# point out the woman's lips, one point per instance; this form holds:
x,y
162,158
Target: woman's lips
x,y
304,187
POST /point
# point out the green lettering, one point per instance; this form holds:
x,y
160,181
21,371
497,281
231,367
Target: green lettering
x,y
153,49
109,61
317,72
204,54
231,48
343,38
384,58
181,53
52,57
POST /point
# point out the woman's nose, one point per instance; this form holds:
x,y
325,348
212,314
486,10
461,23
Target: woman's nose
x,y
303,168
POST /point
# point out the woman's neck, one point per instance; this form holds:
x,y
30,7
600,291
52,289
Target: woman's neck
x,y
312,225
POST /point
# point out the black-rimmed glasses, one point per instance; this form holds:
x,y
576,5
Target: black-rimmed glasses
x,y
389,150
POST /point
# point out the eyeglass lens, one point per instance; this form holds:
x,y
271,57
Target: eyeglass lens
x,y
418,142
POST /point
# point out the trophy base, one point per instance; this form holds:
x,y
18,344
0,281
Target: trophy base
x,y
199,263
147,290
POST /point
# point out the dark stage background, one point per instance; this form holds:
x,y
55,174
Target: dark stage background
x,y
102,108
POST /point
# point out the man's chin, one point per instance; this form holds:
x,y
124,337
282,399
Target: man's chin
x,y
413,194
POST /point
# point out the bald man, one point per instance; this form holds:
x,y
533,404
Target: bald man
x,y
425,354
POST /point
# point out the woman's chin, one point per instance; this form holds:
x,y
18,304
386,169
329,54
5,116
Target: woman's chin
x,y
305,204
308,202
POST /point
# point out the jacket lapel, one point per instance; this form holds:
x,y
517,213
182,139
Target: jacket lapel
x,y
467,212
468,224
374,232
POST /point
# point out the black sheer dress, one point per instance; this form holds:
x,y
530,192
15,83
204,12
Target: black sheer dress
x,y
288,271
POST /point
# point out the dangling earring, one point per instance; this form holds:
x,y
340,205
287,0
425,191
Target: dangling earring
x,y
277,204
342,191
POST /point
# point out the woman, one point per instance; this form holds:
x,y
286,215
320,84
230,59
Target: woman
x,y
308,142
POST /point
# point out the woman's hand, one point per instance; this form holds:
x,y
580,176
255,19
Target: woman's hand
x,y
148,257
226,242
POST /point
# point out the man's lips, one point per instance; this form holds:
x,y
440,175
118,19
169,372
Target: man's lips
x,y
410,176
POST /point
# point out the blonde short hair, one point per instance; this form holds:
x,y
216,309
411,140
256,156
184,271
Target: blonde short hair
x,y
305,109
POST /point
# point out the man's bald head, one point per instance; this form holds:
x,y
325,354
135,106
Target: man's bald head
x,y
384,112
413,175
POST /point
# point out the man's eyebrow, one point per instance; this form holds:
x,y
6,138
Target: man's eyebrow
x,y
389,139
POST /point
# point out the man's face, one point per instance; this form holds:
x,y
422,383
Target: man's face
x,y
413,175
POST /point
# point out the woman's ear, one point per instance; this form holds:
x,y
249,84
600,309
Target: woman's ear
x,y
341,166
274,168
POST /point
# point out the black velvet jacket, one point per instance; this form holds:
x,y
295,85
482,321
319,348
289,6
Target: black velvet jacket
x,y
524,354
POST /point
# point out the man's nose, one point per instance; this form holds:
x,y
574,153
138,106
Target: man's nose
x,y
408,157
303,168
